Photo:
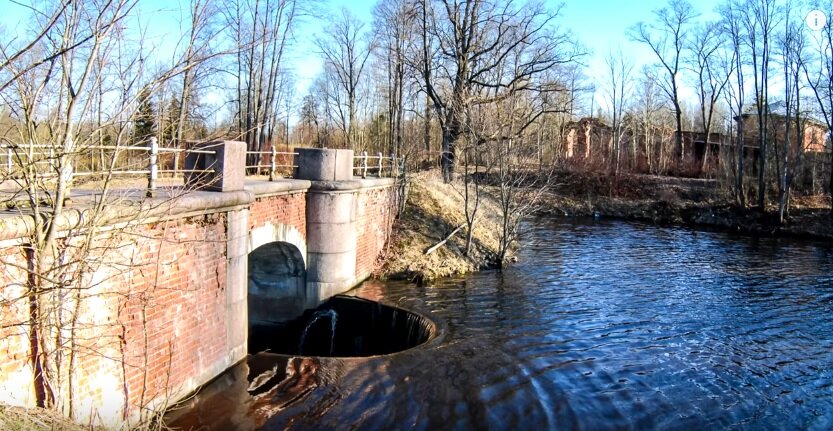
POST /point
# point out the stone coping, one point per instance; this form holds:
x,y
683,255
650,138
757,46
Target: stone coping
x,y
131,207
125,211
357,183
278,187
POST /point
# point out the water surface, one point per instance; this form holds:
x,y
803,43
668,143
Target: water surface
x,y
600,325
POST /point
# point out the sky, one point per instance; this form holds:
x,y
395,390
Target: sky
x,y
600,25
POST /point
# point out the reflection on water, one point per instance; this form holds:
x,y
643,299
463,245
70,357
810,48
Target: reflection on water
x,y
600,325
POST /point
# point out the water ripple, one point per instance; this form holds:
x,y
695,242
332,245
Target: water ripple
x,y
606,325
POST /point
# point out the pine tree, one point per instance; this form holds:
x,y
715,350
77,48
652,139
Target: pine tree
x,y
144,120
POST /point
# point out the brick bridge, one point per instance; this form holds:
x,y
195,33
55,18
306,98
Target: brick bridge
x,y
173,292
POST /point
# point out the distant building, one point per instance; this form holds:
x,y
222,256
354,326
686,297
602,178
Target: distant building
x,y
586,137
592,139
816,137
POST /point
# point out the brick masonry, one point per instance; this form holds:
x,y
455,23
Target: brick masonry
x,y
289,209
375,212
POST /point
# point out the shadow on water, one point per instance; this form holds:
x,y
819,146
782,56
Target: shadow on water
x,y
344,326
283,368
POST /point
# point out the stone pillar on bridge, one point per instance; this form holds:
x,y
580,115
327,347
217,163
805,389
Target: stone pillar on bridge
x,y
331,221
322,164
220,166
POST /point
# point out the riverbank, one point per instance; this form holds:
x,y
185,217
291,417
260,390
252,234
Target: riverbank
x,y
680,201
434,210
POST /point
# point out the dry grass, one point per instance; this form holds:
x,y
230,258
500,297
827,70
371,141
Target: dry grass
x,y
35,419
434,210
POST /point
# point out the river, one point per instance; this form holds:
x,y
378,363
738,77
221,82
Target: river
x,y
600,325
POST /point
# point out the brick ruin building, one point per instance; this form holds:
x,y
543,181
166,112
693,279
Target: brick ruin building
x,y
592,139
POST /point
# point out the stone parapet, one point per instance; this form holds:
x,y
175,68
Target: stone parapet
x,y
323,164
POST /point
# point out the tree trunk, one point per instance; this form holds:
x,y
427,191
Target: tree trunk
x,y
447,158
427,126
830,185
739,189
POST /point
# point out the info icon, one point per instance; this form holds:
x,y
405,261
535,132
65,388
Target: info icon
x,y
816,20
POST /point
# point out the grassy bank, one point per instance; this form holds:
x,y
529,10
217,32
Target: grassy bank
x,y
433,211
681,201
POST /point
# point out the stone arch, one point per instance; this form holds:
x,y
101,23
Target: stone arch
x,y
276,283
278,232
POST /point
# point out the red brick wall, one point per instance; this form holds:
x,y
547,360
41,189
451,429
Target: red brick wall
x,y
177,298
151,318
14,341
375,211
289,209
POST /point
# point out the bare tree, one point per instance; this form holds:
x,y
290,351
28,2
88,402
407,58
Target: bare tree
x,y
472,185
519,188
345,55
667,39
711,73
759,18
394,25
263,29
465,46
326,95
791,46
89,92
819,76
619,91
733,28
45,180
309,118
648,107
199,39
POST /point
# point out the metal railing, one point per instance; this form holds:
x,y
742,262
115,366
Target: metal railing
x,y
41,161
153,161
275,167
281,164
365,164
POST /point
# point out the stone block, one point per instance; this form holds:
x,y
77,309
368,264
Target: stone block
x,y
323,207
238,233
331,237
318,292
228,165
331,267
323,164
237,253
237,326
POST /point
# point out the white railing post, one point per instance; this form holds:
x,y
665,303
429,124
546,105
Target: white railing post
x,y
364,164
154,169
274,165
379,173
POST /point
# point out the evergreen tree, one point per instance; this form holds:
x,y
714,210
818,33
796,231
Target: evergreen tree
x,y
144,120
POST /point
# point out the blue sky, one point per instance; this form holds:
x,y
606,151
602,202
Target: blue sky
x,y
601,25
